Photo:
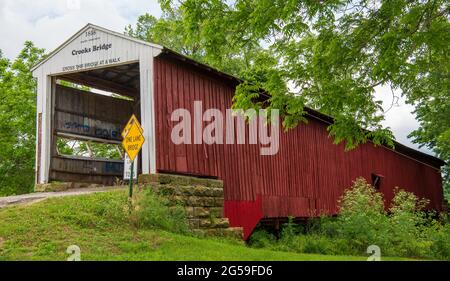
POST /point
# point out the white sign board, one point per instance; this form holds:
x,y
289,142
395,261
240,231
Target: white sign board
x,y
93,47
127,167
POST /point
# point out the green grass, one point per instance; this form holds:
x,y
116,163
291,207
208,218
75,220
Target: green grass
x,y
99,225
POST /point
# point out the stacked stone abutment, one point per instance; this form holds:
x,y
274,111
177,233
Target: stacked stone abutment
x,y
202,199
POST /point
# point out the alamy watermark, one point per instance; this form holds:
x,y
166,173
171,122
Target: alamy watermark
x,y
75,253
236,127
375,253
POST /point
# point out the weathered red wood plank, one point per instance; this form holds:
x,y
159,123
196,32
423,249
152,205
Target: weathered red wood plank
x,y
306,177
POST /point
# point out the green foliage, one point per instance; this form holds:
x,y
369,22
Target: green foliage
x,y
329,55
440,246
93,212
290,229
185,36
65,146
103,150
88,149
408,223
316,244
18,121
153,210
362,218
99,224
405,230
73,85
261,239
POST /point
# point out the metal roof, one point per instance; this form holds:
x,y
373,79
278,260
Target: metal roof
x,y
399,147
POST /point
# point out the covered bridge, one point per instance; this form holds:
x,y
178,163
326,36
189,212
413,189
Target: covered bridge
x,y
305,178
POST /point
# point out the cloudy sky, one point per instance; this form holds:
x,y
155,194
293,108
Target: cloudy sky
x,y
48,23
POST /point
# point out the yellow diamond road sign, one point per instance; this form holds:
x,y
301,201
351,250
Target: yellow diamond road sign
x,y
132,120
133,140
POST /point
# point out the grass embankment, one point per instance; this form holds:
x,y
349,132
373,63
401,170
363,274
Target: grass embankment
x,y
99,225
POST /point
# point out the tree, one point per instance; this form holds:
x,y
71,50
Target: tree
x,y
17,121
172,31
329,55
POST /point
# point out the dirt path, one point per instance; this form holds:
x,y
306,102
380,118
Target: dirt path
x,y
39,196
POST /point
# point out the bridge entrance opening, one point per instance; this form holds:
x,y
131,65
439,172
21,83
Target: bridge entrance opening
x,y
90,109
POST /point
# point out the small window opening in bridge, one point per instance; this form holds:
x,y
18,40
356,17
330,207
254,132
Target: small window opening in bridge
x,y
376,180
91,89
88,149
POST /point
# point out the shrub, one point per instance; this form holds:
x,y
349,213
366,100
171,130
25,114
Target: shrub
x,y
362,219
313,244
440,241
407,221
260,238
405,230
290,229
153,210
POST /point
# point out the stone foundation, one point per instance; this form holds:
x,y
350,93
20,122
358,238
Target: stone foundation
x,y
202,199
179,180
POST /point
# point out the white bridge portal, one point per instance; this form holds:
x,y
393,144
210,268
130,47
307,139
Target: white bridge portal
x,y
104,60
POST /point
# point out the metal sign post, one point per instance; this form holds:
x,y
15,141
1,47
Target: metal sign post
x,y
133,139
130,193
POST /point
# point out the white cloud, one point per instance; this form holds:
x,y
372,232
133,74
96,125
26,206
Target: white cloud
x,y
399,116
48,23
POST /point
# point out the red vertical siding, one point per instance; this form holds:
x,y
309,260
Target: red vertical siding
x,y
305,178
